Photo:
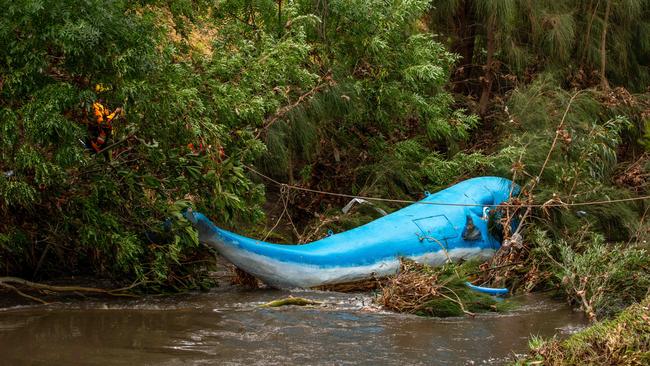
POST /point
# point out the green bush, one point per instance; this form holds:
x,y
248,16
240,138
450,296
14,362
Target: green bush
x,y
198,90
66,209
602,279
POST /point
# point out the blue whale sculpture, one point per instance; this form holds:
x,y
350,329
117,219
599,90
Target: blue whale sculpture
x,y
425,232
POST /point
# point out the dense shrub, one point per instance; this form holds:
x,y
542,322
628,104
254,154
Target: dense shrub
x,y
116,115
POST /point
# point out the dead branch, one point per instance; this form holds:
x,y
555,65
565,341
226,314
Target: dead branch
x,y
13,288
9,282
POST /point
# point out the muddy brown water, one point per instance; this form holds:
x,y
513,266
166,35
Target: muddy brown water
x,y
230,328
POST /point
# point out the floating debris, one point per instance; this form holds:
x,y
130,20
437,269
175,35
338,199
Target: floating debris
x,y
298,301
442,291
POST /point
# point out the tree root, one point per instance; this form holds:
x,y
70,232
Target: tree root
x,y
8,283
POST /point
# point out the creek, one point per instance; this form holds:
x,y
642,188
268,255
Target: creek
x,y
228,327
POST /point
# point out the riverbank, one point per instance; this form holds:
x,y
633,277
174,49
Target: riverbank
x,y
624,340
17,292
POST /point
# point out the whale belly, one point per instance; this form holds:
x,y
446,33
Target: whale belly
x,y
284,274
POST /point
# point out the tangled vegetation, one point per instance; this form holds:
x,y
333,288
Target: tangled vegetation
x,y
117,115
589,270
423,290
84,194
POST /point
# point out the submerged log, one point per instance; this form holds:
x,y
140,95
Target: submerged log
x,y
298,301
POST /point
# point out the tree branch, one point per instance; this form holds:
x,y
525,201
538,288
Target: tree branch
x,y
7,281
328,81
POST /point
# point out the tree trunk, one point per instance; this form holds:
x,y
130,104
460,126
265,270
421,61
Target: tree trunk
x,y
280,18
466,30
591,10
321,8
488,79
603,48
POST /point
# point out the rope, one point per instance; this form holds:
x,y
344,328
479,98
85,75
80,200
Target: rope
x,y
284,197
551,203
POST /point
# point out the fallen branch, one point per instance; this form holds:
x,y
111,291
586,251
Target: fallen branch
x,y
9,282
298,301
13,288
457,301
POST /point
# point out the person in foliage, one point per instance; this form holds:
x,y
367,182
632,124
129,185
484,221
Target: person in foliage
x,y
100,126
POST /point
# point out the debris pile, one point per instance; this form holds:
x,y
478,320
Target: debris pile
x,y
427,291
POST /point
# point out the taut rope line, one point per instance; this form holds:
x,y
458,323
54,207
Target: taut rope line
x,y
550,203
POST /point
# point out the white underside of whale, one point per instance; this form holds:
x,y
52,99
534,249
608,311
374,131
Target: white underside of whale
x,y
291,275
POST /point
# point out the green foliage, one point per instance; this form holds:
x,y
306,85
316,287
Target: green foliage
x,y
65,208
601,278
350,96
408,167
384,79
194,84
552,36
582,164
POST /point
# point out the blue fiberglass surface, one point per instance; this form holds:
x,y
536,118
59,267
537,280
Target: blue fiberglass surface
x,y
418,229
488,290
